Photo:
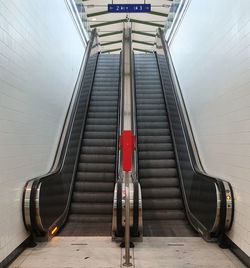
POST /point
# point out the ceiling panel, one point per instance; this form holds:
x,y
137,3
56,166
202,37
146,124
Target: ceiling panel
x,y
144,25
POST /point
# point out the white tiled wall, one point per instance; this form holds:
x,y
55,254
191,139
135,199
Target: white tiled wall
x,y
40,57
211,54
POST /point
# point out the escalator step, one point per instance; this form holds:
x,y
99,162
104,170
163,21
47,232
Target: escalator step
x,y
154,125
169,163
153,132
103,103
99,158
152,118
101,121
106,109
92,197
158,172
155,182
96,167
163,215
161,155
90,218
81,186
95,176
154,204
155,147
102,142
101,128
154,139
99,135
163,192
98,150
155,112
93,208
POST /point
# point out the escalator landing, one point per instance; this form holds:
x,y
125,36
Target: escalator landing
x,y
154,252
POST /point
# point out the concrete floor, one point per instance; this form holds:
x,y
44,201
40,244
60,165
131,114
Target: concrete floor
x,y
100,252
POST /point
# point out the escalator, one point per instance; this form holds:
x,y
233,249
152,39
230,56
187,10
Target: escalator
x,y
91,206
75,198
84,192
178,197
163,209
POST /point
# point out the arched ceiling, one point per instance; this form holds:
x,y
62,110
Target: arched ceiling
x,y
109,25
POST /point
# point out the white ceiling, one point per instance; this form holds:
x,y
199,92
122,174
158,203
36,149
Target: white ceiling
x,y
109,25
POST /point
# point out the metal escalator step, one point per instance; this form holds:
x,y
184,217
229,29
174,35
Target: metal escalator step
x,y
155,182
96,167
98,96
101,121
99,89
92,197
98,150
169,163
158,172
163,215
161,155
154,125
105,128
149,94
102,115
104,93
90,218
162,192
167,228
142,72
103,103
154,204
154,139
103,109
91,208
81,186
152,118
110,81
106,75
150,101
104,83
151,112
99,158
153,132
99,135
144,107
155,146
102,142
95,176
148,83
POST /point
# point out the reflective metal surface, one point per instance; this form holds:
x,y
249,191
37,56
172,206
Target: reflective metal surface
x,y
229,205
26,204
127,197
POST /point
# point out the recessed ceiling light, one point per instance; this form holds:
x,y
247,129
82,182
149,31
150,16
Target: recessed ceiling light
x,y
93,19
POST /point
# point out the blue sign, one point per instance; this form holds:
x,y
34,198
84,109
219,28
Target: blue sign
x,y
129,8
